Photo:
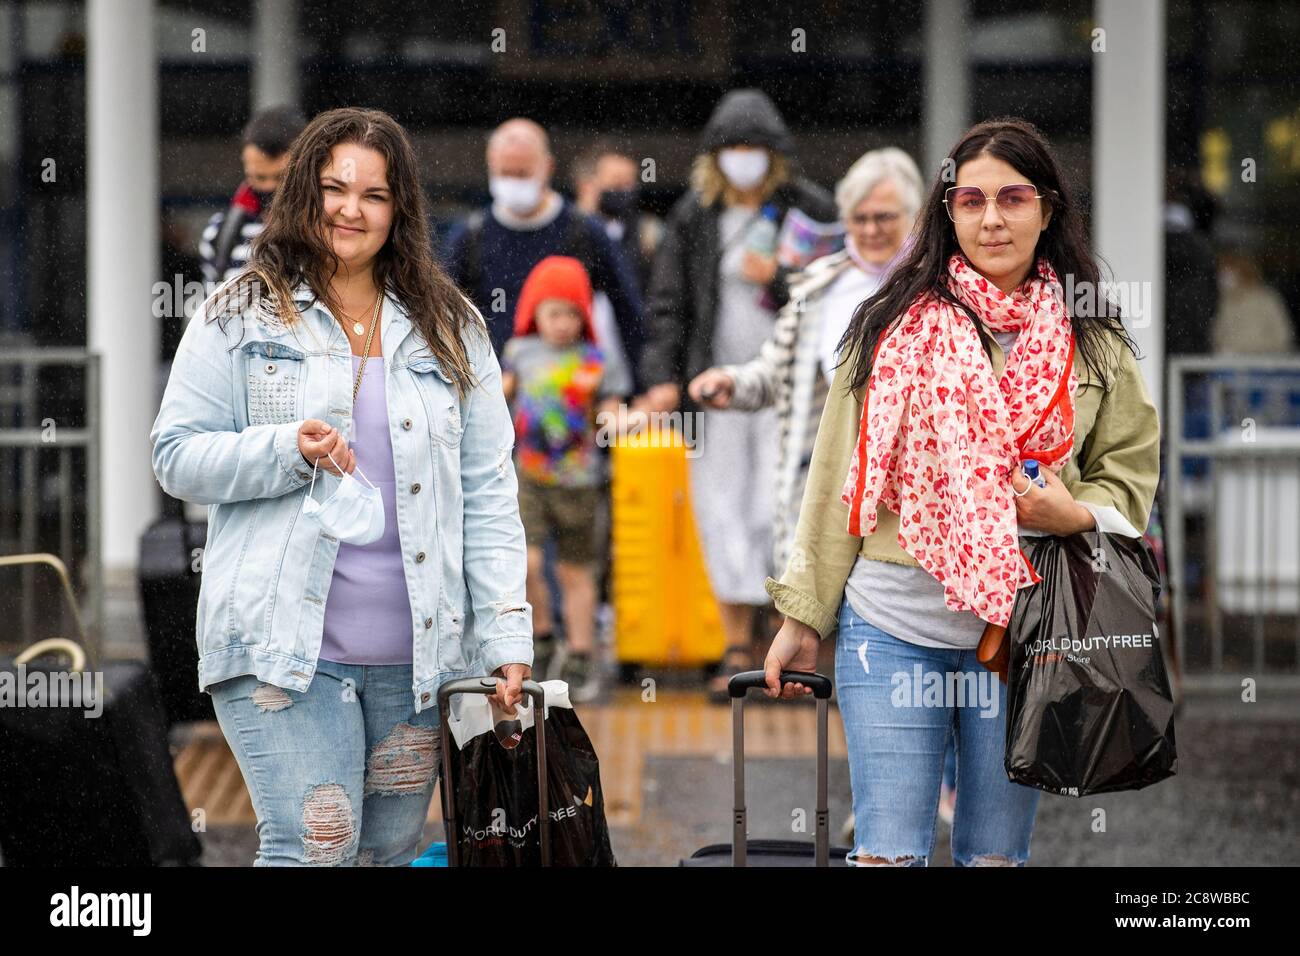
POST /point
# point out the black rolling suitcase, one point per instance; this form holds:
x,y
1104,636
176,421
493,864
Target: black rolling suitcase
x,y
742,851
87,782
169,595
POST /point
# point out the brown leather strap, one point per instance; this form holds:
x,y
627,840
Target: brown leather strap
x,y
994,650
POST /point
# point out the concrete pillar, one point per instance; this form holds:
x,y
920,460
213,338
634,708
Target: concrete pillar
x,y
946,109
123,257
1128,166
275,67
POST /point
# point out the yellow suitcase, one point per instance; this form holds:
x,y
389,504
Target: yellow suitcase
x,y
664,611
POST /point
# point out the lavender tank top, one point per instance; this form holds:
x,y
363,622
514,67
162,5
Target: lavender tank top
x,y
368,612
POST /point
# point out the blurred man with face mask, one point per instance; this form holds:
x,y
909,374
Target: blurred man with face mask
x,y
264,153
605,185
493,250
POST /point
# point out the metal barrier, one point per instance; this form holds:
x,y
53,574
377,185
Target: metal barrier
x,y
1232,535
40,501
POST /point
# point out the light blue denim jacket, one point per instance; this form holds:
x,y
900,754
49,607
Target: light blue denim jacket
x,y
226,436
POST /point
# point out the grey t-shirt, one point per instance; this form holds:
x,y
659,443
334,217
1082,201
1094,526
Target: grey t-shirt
x,y
744,319
906,602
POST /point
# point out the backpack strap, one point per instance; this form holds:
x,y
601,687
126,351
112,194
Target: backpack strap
x,y
474,250
228,236
577,243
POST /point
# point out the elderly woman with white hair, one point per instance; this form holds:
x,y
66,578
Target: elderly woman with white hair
x,y
878,199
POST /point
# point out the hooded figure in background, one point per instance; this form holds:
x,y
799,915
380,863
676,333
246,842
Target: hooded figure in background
x,y
730,243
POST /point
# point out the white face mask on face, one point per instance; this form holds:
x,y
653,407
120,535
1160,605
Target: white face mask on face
x,y
517,194
354,513
744,168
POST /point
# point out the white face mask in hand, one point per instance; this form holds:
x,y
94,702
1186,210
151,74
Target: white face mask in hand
x,y
354,513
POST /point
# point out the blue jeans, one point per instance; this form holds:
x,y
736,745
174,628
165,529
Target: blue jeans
x,y
901,705
340,774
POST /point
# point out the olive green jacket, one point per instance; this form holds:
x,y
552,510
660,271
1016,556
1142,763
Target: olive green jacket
x,y
1113,473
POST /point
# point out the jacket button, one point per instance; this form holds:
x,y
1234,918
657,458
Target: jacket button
x,y
419,557
415,488
424,698
270,368
406,423
428,623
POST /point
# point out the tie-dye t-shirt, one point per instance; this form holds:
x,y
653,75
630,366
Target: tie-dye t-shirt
x,y
556,393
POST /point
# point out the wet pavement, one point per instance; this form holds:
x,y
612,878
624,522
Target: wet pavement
x,y
1233,801
666,772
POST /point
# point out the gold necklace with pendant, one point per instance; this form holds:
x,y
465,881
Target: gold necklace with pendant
x,y
357,327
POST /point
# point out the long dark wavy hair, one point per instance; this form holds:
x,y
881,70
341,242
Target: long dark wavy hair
x,y
923,270
292,247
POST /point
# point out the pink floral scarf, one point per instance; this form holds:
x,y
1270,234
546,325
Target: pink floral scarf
x,y
939,438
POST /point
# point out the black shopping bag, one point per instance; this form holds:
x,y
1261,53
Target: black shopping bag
x,y
1089,709
492,775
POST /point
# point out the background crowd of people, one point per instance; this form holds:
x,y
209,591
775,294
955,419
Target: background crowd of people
x,y
729,308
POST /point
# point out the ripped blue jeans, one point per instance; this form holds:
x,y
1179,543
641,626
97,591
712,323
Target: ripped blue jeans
x,y
340,774
901,704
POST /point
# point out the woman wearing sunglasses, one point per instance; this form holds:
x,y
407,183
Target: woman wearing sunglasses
x,y
965,363
332,606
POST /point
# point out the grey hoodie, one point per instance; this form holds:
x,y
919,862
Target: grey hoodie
x,y
746,116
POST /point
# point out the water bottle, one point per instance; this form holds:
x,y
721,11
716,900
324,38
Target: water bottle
x,y
1030,465
761,238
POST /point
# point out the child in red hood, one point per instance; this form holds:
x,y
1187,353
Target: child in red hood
x,y
558,381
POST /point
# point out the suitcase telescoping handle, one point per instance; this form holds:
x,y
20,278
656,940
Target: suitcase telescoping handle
x,y
488,686
737,687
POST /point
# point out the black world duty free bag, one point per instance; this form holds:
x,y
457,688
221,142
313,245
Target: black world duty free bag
x,y
517,792
1089,708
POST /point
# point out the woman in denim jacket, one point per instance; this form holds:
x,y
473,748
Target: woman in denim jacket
x,y
339,407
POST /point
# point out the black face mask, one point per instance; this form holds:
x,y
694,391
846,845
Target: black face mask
x,y
264,198
618,203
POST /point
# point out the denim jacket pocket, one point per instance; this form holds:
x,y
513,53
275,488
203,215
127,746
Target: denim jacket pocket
x,y
438,393
275,375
